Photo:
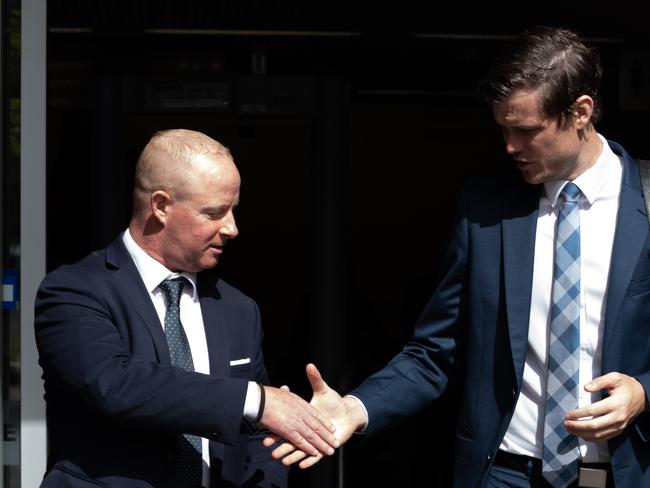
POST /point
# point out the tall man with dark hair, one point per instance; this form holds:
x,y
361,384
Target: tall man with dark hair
x,y
542,310
153,367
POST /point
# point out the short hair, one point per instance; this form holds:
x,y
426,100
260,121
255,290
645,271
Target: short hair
x,y
553,60
165,161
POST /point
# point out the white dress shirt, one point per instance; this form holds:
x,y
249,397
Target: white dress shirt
x,y
598,206
153,273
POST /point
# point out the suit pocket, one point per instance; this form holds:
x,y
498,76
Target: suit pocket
x,y
463,444
638,287
240,370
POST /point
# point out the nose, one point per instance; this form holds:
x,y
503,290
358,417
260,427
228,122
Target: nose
x,y
513,145
229,228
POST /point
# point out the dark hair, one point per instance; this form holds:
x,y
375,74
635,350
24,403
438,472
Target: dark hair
x,y
551,59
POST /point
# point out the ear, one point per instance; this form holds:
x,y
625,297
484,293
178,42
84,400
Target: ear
x,y
583,107
160,202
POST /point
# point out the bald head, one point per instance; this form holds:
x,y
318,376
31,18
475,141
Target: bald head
x,y
186,190
174,161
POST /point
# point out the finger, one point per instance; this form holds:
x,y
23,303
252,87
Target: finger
x,y
321,439
608,380
322,427
589,427
270,440
301,443
580,428
282,450
600,435
605,435
310,461
318,385
293,458
285,388
312,444
598,409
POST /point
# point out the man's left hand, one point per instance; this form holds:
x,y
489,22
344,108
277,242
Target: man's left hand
x,y
608,417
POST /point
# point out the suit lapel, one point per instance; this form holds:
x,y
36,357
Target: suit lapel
x,y
518,253
214,320
629,238
128,277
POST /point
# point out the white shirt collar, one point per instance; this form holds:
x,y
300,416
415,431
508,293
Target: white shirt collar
x,y
152,272
590,182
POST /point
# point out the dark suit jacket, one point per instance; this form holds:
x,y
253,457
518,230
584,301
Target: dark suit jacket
x,y
474,329
115,403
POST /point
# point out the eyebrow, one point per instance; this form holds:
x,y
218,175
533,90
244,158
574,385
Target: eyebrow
x,y
218,209
538,125
212,209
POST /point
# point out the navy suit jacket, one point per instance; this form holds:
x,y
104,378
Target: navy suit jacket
x,y
115,403
474,329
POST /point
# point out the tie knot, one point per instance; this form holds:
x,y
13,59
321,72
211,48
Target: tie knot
x,y
173,288
571,192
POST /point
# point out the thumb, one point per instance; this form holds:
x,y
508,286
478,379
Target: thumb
x,y
317,382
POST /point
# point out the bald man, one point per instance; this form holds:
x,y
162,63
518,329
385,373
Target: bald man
x,y
153,368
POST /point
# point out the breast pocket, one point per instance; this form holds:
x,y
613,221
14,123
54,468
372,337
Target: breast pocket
x,y
240,367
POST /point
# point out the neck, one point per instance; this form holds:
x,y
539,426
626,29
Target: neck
x,y
592,146
146,241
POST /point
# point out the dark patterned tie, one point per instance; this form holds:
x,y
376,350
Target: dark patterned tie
x,y
189,461
561,454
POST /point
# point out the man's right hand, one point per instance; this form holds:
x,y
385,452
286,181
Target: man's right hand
x,y
346,413
293,419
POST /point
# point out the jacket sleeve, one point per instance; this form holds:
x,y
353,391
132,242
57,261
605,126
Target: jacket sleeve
x,y
421,372
85,351
642,422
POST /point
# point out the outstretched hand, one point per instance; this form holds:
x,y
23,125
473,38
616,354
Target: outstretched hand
x,y
292,418
345,413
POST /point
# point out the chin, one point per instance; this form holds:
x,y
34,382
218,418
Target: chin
x,y
535,178
208,264
530,179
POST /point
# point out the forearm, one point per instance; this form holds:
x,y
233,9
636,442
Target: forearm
x,y
86,358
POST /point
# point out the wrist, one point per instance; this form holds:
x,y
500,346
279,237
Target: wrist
x,y
357,412
646,403
260,411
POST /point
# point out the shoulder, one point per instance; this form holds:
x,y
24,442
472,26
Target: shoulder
x,y
506,178
230,292
619,150
97,265
86,283
496,193
89,268
221,299
92,276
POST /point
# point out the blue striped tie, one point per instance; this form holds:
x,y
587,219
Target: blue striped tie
x,y
189,447
561,454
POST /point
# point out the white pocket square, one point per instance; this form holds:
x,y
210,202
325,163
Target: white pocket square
x,y
237,362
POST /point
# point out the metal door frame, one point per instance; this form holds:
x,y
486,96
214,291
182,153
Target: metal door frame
x,y
33,446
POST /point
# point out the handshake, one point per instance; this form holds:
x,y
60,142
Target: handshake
x,y
308,431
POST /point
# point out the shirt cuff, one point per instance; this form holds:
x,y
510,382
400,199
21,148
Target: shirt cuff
x,y
252,403
365,412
